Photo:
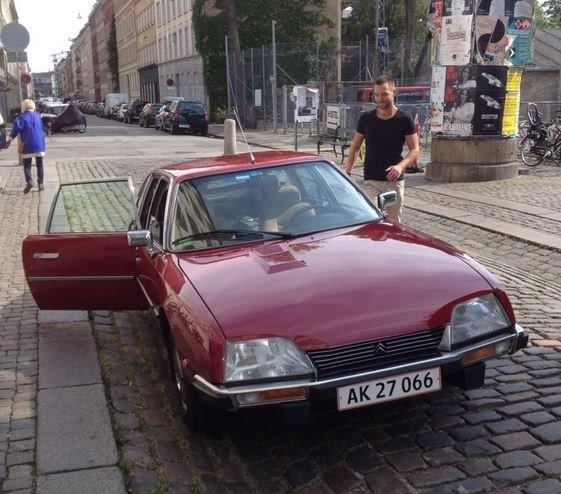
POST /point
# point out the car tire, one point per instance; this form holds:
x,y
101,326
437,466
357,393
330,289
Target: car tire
x,y
204,133
197,415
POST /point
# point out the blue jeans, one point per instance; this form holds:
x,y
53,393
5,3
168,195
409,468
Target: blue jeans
x,y
27,169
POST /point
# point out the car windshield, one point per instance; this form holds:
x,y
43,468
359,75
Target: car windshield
x,y
186,105
265,204
55,110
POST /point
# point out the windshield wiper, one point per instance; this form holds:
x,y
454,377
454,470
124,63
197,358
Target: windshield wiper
x,y
233,234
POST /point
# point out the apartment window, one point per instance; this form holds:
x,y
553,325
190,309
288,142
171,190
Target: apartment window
x,y
172,9
158,13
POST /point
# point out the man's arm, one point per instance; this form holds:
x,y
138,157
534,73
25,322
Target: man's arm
x,y
395,171
353,151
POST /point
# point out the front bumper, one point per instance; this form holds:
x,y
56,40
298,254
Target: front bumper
x,y
226,397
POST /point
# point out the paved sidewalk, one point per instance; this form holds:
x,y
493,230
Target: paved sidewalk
x,y
56,433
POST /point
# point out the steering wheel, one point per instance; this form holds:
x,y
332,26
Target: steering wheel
x,y
294,212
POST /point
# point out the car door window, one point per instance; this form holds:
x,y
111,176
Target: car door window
x,y
147,202
100,206
157,212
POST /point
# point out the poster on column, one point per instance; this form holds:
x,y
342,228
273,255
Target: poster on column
x,y
458,7
459,108
489,100
491,40
437,99
455,40
510,114
434,25
491,7
520,8
520,29
513,79
434,17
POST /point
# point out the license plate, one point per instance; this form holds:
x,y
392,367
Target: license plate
x,y
389,388
184,126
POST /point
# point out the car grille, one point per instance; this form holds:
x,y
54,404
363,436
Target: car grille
x,y
375,354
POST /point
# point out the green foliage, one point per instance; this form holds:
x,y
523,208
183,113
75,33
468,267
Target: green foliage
x,y
113,55
296,23
548,14
363,23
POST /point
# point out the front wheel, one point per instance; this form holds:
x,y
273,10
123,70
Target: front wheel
x,y
533,150
197,415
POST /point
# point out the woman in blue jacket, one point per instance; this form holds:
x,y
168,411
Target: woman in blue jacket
x,y
29,128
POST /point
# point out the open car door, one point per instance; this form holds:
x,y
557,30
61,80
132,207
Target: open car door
x,y
84,261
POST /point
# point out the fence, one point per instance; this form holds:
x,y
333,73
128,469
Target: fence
x,y
261,94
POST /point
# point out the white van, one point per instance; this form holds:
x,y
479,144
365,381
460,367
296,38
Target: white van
x,y
113,101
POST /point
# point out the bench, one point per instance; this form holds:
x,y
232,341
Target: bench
x,y
332,139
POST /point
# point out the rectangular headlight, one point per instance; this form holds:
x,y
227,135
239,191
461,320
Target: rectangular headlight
x,y
265,358
474,319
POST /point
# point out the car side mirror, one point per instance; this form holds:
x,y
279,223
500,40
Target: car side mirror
x,y
386,199
139,238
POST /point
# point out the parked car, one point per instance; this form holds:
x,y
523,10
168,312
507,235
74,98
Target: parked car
x,y
113,101
187,116
159,119
70,120
49,110
135,107
100,110
121,112
148,114
276,281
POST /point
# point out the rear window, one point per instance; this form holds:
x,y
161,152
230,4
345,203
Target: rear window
x,y
186,105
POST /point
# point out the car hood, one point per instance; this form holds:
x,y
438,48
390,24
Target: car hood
x,y
334,288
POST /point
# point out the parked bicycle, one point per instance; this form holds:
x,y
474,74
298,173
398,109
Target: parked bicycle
x,y
542,140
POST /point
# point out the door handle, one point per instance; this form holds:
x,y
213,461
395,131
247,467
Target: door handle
x,y
45,256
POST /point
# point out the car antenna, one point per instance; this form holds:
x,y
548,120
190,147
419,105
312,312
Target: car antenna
x,y
251,157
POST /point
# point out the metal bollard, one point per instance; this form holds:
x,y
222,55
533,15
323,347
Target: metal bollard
x,y
230,137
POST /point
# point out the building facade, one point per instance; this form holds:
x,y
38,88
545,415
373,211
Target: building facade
x,y
127,48
107,83
147,48
43,84
11,91
180,66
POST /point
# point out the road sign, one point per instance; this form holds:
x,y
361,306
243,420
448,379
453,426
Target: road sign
x,y
17,56
25,78
14,37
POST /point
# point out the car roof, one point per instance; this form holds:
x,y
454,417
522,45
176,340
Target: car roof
x,y
236,162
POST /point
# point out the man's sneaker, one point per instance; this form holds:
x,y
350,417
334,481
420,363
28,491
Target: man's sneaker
x,y
28,187
41,187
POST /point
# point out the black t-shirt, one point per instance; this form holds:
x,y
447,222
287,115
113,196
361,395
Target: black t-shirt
x,y
384,142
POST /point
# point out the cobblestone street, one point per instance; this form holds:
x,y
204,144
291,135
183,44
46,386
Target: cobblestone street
x,y
505,437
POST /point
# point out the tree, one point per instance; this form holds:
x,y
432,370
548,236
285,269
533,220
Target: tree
x,y
407,30
548,14
113,55
297,22
234,45
408,38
